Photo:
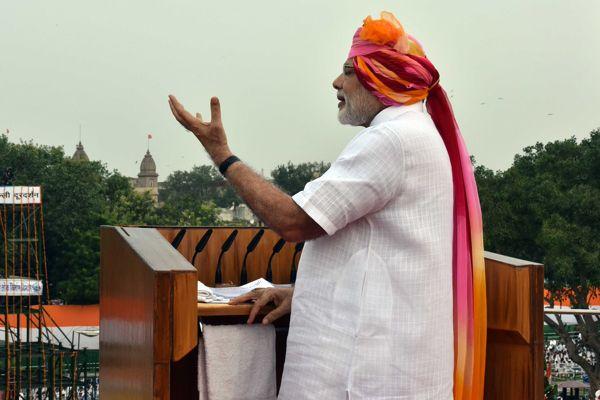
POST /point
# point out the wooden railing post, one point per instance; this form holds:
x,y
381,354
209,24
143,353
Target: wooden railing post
x,y
515,341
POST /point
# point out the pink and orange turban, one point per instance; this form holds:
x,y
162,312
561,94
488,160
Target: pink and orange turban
x,y
393,67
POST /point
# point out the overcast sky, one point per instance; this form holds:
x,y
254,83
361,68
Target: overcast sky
x,y
518,71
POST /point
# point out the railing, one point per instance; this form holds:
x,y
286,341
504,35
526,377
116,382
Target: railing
x,y
571,311
567,369
53,373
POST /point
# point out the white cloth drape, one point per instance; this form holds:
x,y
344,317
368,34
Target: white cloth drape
x,y
237,362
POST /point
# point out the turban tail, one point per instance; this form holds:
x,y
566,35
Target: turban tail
x,y
397,78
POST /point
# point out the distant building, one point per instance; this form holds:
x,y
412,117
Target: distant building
x,y
147,180
80,154
240,212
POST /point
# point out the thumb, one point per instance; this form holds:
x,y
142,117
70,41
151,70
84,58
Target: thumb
x,y
215,111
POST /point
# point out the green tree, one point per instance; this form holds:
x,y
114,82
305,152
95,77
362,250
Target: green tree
x,y
117,186
546,207
131,208
204,183
73,195
78,197
292,178
193,214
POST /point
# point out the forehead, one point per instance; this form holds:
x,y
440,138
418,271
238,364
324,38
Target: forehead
x,y
348,63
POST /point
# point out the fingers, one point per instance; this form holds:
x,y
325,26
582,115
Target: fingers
x,y
182,112
260,303
277,313
175,114
175,105
252,295
243,298
176,109
191,122
215,111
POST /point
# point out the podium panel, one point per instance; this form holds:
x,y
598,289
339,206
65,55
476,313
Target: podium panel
x,y
148,317
515,337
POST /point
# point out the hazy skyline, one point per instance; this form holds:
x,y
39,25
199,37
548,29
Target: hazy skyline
x,y
518,72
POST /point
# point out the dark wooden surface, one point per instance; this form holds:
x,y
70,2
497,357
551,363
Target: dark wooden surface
x,y
231,264
148,316
223,310
515,342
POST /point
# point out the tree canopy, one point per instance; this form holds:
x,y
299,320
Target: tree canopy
x,y
78,197
292,178
546,208
201,184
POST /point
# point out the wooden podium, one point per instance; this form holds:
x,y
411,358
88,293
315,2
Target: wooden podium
x,y
148,317
149,314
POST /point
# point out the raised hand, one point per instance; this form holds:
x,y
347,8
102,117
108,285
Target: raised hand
x,y
282,297
211,134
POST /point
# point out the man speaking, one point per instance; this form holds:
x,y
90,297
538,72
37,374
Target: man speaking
x,y
389,301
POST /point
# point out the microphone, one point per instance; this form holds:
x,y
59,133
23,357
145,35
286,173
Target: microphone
x,y
178,238
251,246
293,269
224,248
276,249
201,244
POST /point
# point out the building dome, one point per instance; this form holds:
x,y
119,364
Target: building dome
x,y
80,154
148,166
147,180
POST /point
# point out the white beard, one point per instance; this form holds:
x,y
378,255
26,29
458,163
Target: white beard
x,y
356,112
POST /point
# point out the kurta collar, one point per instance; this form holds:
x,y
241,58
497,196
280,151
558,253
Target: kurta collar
x,y
393,112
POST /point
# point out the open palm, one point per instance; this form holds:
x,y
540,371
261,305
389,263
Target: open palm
x,y
211,134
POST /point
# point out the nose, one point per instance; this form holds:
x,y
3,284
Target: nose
x,y
337,83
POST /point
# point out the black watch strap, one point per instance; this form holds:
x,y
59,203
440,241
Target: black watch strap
x,y
227,163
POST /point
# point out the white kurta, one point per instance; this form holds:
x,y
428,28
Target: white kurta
x,y
372,308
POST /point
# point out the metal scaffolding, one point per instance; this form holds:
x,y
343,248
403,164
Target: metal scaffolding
x,y
36,362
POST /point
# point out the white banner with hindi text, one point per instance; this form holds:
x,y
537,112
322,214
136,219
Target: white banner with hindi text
x,y
20,287
20,195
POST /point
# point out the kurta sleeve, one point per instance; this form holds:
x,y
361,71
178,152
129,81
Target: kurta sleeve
x,y
364,178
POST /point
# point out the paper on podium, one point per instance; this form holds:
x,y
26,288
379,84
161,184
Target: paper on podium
x,y
223,294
